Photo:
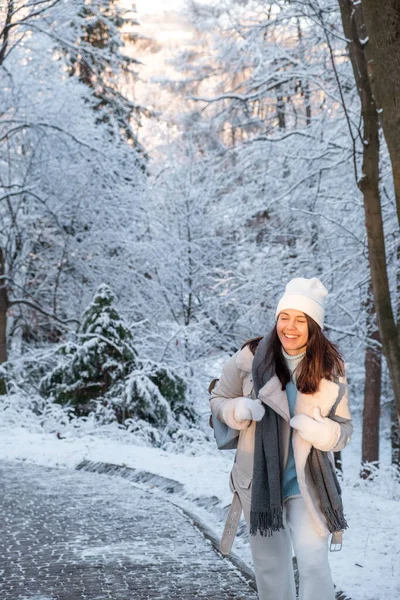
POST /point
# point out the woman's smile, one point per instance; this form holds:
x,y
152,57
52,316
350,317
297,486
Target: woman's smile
x,y
295,340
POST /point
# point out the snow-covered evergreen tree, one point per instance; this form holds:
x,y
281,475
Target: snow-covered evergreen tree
x,y
102,365
101,355
99,60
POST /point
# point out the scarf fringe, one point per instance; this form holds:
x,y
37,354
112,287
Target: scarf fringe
x,y
335,519
266,522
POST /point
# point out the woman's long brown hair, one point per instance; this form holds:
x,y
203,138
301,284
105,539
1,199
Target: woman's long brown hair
x,y
322,359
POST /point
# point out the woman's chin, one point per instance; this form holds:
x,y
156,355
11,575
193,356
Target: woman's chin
x,y
293,348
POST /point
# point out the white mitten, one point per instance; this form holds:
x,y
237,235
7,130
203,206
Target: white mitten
x,y
321,432
228,415
248,409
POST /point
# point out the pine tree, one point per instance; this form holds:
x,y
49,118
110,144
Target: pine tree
x,y
101,356
157,396
98,59
102,365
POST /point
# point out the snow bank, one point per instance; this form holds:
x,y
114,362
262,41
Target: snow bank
x,y
366,568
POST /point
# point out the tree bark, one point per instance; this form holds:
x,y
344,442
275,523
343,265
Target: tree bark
x,y
372,393
3,310
371,412
304,84
355,31
3,318
280,111
382,21
395,427
5,31
395,437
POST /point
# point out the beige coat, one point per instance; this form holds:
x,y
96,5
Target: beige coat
x,y
236,381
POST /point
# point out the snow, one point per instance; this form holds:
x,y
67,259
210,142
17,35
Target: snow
x,y
38,598
365,569
125,549
197,249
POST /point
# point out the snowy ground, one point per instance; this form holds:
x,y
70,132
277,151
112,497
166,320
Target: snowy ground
x,y
72,535
366,568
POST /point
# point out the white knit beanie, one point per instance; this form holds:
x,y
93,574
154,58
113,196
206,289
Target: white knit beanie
x,y
307,295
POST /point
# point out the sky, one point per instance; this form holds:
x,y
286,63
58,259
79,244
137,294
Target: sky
x,y
153,6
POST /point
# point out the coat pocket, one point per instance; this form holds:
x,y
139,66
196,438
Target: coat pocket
x,y
241,482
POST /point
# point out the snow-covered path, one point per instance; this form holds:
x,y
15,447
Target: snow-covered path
x,y
366,568
67,534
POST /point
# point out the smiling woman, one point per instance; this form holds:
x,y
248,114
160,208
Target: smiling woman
x,y
283,475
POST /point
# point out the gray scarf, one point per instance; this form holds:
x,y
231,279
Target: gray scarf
x,y
267,488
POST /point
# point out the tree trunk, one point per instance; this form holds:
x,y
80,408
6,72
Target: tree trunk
x,y
355,32
280,111
395,437
371,412
395,428
372,394
382,21
304,84
3,318
3,310
5,31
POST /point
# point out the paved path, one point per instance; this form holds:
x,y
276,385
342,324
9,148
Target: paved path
x,y
69,535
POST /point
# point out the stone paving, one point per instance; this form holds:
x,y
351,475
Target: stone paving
x,y
69,535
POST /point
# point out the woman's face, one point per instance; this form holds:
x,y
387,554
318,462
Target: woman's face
x,y
292,330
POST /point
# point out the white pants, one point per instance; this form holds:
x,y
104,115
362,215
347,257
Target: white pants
x,y
272,557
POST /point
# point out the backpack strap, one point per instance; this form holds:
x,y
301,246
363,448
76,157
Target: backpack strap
x,y
212,385
210,389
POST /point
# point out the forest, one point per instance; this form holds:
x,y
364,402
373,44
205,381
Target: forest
x,y
156,197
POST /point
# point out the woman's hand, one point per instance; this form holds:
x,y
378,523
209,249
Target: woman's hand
x,y
228,415
321,432
238,413
248,409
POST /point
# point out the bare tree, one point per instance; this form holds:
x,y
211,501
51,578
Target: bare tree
x,y
60,172
372,68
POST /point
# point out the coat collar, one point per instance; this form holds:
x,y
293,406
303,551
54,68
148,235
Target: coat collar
x,y
324,398
244,359
273,395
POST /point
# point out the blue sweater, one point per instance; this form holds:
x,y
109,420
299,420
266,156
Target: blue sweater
x,y
290,484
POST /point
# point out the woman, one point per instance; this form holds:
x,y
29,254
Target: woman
x,y
287,395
